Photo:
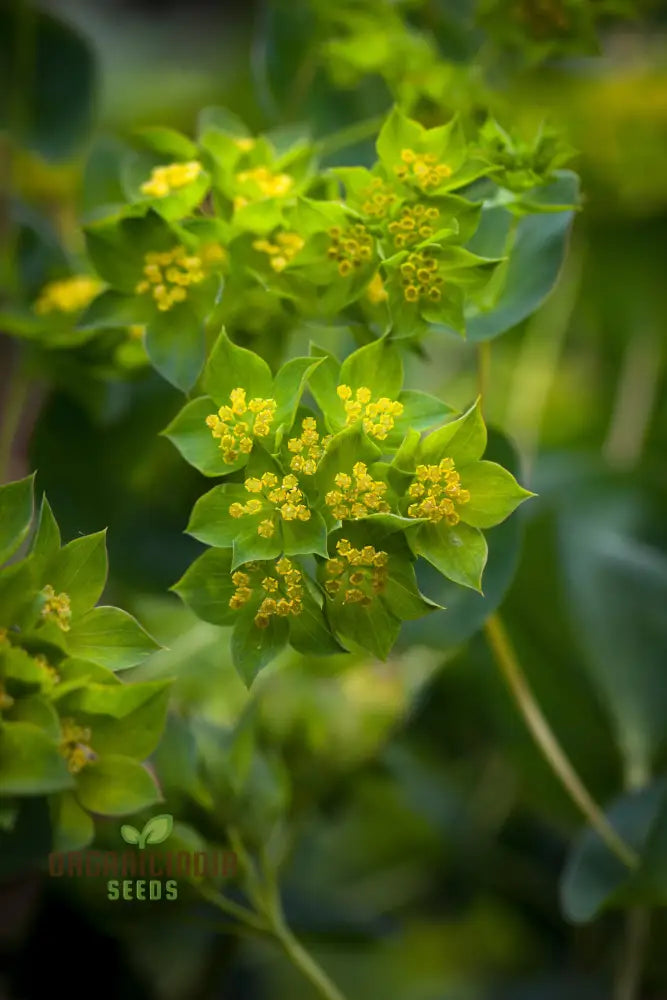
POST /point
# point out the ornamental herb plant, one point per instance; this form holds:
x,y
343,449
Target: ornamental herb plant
x,y
288,296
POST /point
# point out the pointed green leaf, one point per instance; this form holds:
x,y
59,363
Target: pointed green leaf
x,y
494,494
463,440
191,435
30,763
378,366
16,509
206,587
115,786
231,367
79,570
252,647
110,637
459,552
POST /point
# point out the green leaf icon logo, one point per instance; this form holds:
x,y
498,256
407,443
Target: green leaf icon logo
x,y
129,834
156,830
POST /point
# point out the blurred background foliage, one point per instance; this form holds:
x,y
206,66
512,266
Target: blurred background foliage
x,y
429,838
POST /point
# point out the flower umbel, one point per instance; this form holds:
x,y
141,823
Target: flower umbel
x,y
308,448
74,745
281,251
268,184
237,424
437,490
379,199
356,495
168,274
68,296
164,180
422,168
414,225
356,575
378,417
56,608
282,498
281,587
420,278
351,247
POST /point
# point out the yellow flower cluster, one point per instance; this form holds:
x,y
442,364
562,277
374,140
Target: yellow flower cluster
x,y
356,495
167,275
286,497
351,247
270,185
359,574
437,490
283,592
378,417
164,180
74,745
51,675
308,448
420,278
379,199
281,252
236,435
413,225
56,608
245,144
68,295
376,292
423,168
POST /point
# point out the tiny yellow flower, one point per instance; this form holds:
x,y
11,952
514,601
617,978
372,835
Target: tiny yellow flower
x,y
74,745
422,169
164,180
307,449
280,252
68,295
350,247
281,499
268,184
357,495
420,277
168,274
437,492
378,417
376,292
235,434
56,608
358,575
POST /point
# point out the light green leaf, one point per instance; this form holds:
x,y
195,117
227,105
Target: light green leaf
x,y
73,828
79,570
210,520
373,629
175,343
290,382
378,366
29,762
231,367
207,587
110,637
16,509
252,647
494,494
459,552
463,440
305,537
46,542
115,786
191,435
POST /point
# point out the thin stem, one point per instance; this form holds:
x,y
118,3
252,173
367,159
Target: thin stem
x,y
17,394
232,909
349,136
483,369
306,964
554,754
628,984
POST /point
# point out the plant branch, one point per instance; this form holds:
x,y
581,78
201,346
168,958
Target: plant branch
x,y
18,388
349,136
628,983
554,754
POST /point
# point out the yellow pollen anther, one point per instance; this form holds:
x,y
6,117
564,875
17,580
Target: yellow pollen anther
x,y
56,608
357,495
377,417
236,435
422,169
437,492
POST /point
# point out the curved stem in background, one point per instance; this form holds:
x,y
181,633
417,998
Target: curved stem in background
x,y
483,369
349,136
18,387
637,927
554,754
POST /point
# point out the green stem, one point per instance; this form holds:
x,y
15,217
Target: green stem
x,y
554,754
232,909
349,136
628,984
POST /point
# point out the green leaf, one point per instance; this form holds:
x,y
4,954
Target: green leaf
x,y
594,879
289,386
459,552
29,762
309,632
324,379
305,537
378,366
210,520
46,542
79,570
420,411
114,309
157,829
207,587
38,712
401,594
175,344
537,249
110,637
494,494
350,445
252,647
57,95
231,367
73,828
191,435
250,546
373,629
16,510
463,440
115,786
